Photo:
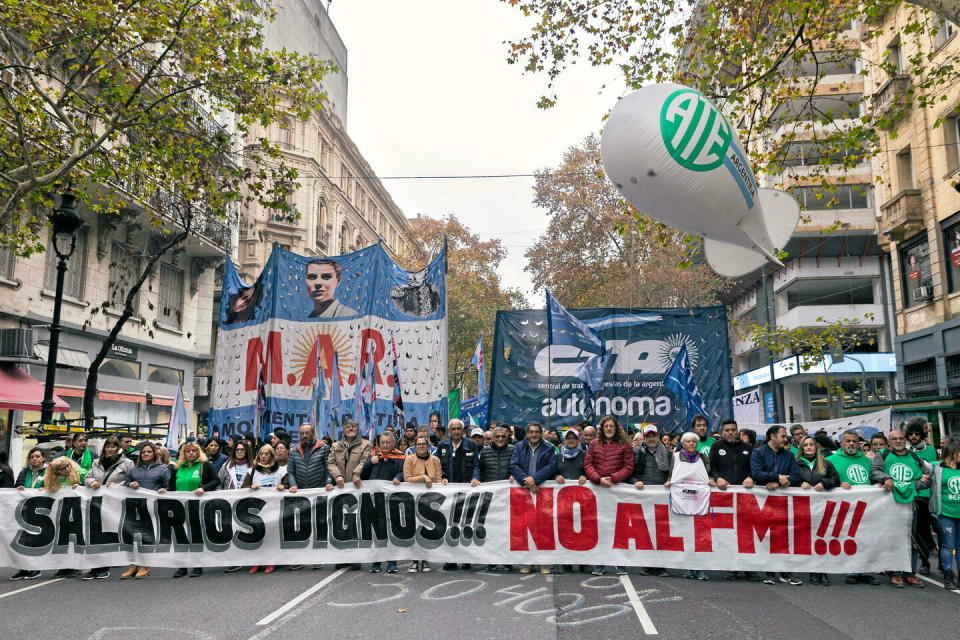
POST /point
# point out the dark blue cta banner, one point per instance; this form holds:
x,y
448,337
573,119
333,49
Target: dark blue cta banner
x,y
536,382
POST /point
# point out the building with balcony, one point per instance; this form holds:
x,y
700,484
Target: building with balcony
x,y
918,169
163,346
340,205
834,270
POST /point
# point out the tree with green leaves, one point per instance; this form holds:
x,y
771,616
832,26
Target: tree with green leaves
x,y
598,251
763,62
118,100
474,289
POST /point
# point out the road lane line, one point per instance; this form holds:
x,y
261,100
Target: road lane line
x,y
939,584
638,607
303,596
33,586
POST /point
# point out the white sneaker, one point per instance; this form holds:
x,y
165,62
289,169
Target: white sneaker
x,y
414,567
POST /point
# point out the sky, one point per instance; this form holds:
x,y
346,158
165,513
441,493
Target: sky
x,y
431,93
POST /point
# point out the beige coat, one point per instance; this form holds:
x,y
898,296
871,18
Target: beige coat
x,y
343,464
418,470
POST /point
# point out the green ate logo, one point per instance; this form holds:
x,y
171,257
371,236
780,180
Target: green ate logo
x,y
901,473
953,485
857,474
694,132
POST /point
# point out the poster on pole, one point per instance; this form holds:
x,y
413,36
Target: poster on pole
x,y
533,381
747,407
278,332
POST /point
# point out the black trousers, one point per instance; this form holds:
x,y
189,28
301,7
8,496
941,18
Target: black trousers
x,y
923,529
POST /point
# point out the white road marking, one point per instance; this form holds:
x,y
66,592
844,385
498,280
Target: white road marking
x,y
303,596
33,586
638,607
939,584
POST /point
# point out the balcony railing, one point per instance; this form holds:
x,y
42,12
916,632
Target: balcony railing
x,y
193,110
323,237
894,97
902,215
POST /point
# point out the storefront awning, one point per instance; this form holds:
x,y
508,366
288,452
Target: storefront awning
x,y
21,392
65,357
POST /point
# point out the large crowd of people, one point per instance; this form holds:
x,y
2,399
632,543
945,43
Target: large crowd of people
x,y
605,455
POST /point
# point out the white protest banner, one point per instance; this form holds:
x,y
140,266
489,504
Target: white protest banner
x,y
841,531
747,408
865,424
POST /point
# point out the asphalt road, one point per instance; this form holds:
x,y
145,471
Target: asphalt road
x,y
473,605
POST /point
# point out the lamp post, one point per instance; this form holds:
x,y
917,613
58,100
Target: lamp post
x,y
65,222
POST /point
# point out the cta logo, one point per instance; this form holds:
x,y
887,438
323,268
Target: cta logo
x,y
695,134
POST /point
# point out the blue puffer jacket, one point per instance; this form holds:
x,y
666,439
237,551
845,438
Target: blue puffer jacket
x,y
546,462
766,465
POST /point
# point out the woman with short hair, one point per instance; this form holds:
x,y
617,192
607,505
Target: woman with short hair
x,y
31,476
690,484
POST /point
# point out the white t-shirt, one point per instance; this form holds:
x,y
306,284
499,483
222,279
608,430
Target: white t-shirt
x,y
269,479
237,474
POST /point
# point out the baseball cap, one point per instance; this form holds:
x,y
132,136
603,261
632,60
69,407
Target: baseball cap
x,y
477,431
572,432
650,428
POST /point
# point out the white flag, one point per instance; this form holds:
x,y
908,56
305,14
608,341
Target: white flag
x,y
178,419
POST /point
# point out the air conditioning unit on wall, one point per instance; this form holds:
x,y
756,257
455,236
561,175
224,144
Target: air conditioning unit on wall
x,y
923,293
16,343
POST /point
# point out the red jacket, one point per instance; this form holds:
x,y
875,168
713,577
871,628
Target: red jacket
x,y
608,459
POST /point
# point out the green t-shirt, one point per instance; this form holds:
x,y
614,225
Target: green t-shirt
x,y
705,444
929,454
189,477
854,470
905,471
949,492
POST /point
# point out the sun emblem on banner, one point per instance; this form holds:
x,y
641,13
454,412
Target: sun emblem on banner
x,y
670,347
300,353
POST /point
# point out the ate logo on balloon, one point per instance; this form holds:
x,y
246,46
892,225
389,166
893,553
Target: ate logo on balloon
x,y
695,134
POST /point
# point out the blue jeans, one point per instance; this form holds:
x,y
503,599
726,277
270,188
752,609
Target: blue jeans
x,y
949,541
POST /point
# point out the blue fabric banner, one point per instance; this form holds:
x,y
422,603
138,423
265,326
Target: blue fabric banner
x,y
351,306
535,381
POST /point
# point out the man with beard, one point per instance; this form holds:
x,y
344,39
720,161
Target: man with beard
x,y
853,466
307,467
902,472
923,531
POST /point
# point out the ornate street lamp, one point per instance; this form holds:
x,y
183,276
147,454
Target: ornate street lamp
x,y
65,222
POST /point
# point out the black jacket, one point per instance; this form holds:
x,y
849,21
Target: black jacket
x,y
494,463
462,467
829,478
571,469
385,469
645,466
730,461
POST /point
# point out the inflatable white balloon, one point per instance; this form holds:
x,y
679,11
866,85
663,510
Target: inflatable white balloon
x,y
674,156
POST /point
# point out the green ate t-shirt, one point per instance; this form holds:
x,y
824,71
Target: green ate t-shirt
x,y
854,470
905,471
950,492
189,477
704,446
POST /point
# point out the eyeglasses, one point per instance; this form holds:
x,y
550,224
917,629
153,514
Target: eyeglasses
x,y
533,432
